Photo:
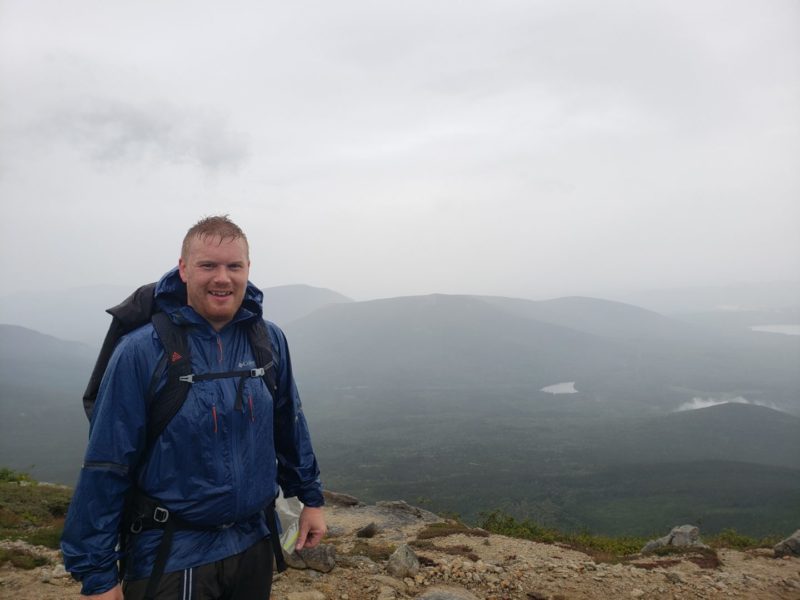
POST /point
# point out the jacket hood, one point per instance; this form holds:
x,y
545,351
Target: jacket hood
x,y
170,295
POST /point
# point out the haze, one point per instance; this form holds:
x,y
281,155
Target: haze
x,y
526,149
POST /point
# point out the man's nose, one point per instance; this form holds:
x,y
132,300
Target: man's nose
x,y
221,274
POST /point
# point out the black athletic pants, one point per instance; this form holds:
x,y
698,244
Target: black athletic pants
x,y
245,576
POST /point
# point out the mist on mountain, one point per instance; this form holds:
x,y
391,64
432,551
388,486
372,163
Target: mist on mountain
x,y
443,400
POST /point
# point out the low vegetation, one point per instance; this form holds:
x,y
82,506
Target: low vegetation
x,y
730,538
616,549
449,527
599,546
30,511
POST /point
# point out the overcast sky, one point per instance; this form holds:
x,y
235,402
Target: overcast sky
x,y
525,148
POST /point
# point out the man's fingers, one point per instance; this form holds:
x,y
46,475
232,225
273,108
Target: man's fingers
x,y
301,536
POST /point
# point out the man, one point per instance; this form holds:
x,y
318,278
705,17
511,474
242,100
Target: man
x,y
218,461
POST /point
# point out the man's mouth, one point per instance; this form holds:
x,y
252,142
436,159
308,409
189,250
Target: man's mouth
x,y
220,294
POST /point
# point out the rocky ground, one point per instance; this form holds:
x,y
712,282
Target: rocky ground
x,y
464,566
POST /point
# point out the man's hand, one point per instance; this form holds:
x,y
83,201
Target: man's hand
x,y
312,528
114,593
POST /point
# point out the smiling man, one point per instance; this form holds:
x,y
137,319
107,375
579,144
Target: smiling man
x,y
191,507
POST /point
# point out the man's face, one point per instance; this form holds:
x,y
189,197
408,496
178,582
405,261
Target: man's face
x,y
215,272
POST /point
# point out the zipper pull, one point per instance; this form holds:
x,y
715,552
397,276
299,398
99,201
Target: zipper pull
x,y
214,416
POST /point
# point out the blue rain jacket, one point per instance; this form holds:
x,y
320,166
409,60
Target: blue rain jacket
x,y
213,465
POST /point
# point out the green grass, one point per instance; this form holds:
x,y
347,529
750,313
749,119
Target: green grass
x,y
599,546
22,559
31,512
730,538
10,476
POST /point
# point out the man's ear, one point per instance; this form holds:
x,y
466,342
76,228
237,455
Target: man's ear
x,y
182,269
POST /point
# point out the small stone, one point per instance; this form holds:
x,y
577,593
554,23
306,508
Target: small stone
x,y
637,593
674,577
387,593
309,595
384,581
368,531
446,593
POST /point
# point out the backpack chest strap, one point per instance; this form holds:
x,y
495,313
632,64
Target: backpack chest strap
x,y
259,372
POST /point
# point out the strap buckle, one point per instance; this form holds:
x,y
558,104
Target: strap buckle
x,y
160,514
187,378
136,525
259,372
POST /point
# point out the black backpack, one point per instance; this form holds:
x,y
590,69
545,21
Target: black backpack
x,y
139,309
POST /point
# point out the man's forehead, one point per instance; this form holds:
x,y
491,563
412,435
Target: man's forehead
x,y
217,244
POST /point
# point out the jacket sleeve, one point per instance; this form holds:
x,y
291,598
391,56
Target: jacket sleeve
x,y
116,437
298,472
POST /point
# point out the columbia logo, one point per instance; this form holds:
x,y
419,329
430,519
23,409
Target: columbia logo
x,y
175,357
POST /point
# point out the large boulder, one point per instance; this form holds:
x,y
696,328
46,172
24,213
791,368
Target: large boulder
x,y
684,536
788,547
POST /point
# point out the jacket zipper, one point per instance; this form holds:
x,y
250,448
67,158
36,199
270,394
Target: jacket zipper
x,y
214,416
252,412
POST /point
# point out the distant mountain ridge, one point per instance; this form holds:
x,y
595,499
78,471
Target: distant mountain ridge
x,y
439,397
80,313
286,303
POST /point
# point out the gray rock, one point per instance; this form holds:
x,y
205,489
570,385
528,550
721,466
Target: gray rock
x,y
359,562
684,536
337,499
674,577
444,592
368,531
383,580
322,558
403,562
788,547
293,560
310,595
402,506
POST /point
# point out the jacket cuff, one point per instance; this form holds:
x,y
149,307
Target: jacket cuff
x,y
312,498
98,582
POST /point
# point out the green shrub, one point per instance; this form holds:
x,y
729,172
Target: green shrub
x,y
49,537
10,476
22,559
730,538
499,522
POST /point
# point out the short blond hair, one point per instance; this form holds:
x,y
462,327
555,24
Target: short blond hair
x,y
215,226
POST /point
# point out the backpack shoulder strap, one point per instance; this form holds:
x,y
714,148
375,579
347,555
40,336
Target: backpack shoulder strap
x,y
177,361
261,344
